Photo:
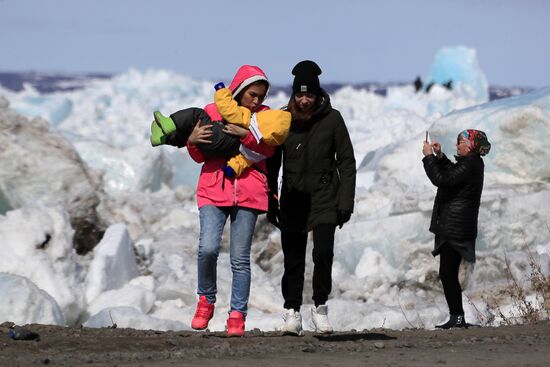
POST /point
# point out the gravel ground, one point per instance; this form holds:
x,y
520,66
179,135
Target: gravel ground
x,y
526,345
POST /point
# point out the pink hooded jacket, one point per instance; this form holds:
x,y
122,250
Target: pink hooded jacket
x,y
250,188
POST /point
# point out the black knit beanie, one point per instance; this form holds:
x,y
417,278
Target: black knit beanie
x,y
306,77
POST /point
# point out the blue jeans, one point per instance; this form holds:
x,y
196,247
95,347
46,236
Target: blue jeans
x,y
212,221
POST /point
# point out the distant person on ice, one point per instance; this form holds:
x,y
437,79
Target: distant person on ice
x,y
447,85
455,211
417,84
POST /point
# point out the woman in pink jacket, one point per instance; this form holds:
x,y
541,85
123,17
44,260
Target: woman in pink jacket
x,y
219,197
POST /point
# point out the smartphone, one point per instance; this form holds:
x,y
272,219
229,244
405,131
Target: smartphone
x,y
427,136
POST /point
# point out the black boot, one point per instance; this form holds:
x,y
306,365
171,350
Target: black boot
x,y
455,321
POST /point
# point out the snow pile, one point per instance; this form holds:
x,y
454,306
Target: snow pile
x,y
94,162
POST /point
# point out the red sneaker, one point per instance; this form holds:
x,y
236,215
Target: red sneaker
x,y
235,324
203,314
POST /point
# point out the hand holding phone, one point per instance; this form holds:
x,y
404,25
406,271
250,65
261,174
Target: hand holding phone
x,y
437,149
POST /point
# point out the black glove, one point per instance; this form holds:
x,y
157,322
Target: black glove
x,y
273,210
343,217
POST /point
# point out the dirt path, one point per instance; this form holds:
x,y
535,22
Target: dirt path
x,y
527,345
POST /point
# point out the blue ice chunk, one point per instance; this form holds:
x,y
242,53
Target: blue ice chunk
x,y
459,64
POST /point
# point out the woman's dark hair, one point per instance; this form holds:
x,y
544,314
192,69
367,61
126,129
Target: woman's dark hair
x,y
297,114
239,96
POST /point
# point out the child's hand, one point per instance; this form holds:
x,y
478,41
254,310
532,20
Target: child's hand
x,y
200,134
233,129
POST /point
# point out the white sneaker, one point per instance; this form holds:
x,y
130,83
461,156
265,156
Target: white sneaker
x,y
293,323
319,316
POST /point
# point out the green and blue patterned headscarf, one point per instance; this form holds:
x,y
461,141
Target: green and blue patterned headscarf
x,y
476,140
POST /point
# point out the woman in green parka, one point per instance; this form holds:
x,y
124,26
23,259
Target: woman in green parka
x,y
317,194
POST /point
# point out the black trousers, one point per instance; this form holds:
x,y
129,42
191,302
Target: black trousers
x,y
448,273
294,251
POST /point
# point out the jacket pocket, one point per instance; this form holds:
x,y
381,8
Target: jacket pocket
x,y
324,181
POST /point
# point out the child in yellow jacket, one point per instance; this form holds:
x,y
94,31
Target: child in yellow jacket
x,y
271,126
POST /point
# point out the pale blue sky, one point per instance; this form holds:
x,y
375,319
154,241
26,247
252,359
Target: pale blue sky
x,y
353,40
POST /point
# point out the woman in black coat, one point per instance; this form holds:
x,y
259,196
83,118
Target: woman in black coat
x,y
455,211
317,193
